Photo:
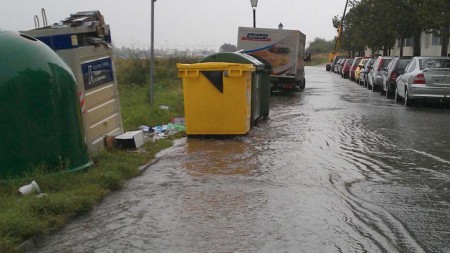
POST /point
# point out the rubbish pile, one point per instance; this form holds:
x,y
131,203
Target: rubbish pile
x,y
158,132
135,139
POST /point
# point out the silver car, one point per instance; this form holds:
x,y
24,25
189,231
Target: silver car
x,y
376,74
364,74
424,78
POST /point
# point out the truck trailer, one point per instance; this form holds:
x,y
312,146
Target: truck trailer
x,y
283,49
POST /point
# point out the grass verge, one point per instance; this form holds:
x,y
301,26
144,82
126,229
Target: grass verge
x,y
69,195
318,59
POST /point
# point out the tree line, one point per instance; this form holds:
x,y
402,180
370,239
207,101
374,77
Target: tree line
x,y
377,24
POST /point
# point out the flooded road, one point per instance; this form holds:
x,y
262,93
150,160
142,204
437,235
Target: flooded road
x,y
337,168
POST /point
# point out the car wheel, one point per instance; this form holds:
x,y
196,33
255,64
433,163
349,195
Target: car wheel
x,y
407,100
396,96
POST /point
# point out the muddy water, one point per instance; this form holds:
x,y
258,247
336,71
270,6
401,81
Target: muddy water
x,y
337,168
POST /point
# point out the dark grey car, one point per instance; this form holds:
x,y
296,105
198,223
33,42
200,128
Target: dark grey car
x,y
395,68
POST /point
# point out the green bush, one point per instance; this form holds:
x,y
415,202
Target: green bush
x,y
136,109
135,70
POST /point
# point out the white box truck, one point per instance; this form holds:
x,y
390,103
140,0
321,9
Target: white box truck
x,y
283,49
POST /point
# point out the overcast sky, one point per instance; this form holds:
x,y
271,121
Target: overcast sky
x,y
193,24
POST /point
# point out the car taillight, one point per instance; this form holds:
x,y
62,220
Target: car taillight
x,y
419,79
380,64
393,77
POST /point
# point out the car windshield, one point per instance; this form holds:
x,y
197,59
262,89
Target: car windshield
x,y
386,62
403,63
434,63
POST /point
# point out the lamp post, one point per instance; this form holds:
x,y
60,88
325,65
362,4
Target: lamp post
x,y
254,3
152,52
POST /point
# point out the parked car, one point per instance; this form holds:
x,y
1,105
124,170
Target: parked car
x,y
359,68
395,68
346,68
342,66
353,67
375,76
364,73
338,66
424,78
335,60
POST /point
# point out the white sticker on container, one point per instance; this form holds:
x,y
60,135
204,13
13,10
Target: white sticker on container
x,y
74,40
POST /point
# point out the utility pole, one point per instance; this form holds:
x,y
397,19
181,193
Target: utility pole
x,y
152,51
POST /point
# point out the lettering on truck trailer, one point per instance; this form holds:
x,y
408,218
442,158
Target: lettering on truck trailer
x,y
257,37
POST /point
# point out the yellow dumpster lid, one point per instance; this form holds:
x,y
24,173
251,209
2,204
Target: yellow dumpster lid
x,y
210,66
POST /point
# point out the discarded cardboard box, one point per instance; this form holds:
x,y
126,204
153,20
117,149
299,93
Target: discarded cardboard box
x,y
109,141
178,121
130,140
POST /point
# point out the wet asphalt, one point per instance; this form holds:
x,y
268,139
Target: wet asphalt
x,y
336,168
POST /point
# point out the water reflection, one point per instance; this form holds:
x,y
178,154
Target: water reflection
x,y
231,156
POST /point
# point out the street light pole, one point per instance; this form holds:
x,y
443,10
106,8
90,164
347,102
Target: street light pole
x,y
152,52
254,17
254,3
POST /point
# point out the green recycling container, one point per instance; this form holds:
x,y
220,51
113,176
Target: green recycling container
x,y
260,80
41,121
265,87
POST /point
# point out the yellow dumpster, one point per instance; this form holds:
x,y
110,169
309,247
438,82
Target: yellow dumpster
x,y
217,97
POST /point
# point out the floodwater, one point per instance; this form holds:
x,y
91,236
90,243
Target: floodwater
x,y
336,168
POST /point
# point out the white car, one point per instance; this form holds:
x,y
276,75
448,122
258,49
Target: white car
x,y
424,78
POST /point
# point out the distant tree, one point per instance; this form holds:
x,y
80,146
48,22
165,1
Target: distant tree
x,y
377,23
320,46
228,48
406,25
370,23
353,37
435,18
